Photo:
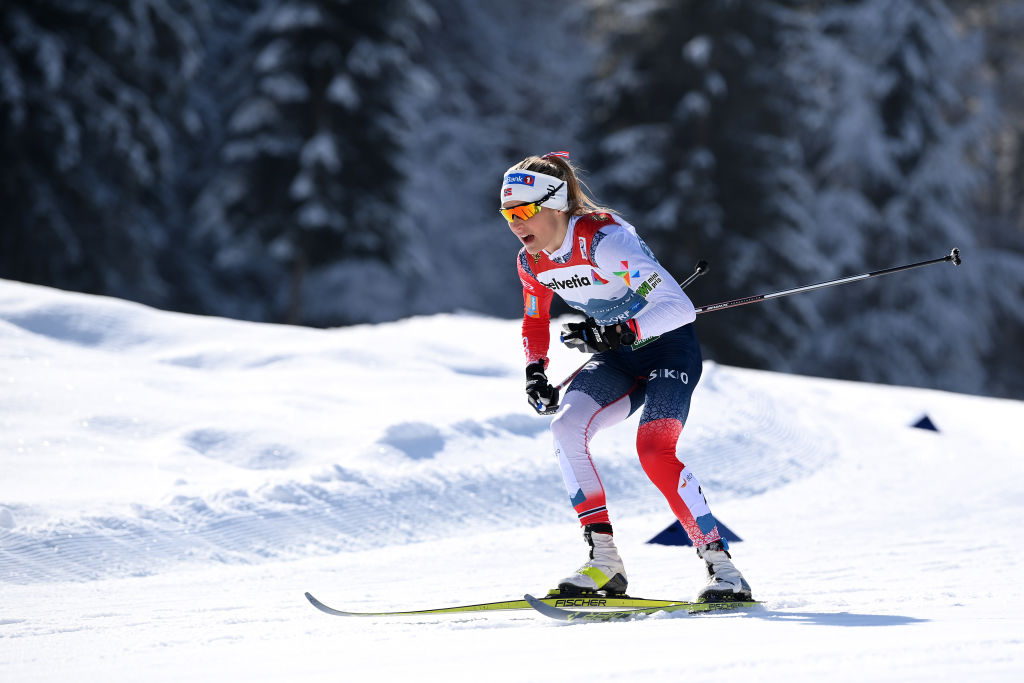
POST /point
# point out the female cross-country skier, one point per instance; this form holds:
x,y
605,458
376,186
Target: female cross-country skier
x,y
639,326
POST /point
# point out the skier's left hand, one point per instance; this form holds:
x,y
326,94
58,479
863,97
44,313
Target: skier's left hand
x,y
589,337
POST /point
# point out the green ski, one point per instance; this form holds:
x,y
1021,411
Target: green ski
x,y
629,612
594,601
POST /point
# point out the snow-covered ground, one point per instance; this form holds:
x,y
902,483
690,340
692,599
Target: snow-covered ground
x,y
170,486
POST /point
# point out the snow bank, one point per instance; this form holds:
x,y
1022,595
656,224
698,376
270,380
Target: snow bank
x,y
161,471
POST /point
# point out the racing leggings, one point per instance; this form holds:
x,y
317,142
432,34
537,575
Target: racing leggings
x,y
659,375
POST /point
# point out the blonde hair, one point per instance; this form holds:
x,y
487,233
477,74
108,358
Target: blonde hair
x,y
580,202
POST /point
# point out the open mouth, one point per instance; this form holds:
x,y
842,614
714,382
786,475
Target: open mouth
x,y
527,239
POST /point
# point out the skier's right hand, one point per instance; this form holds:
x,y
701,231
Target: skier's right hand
x,y
542,396
589,337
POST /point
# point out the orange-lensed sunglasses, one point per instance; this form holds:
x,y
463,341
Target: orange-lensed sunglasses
x,y
527,211
523,212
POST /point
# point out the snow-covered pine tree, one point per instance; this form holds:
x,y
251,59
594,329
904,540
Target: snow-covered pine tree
x,y
304,214
998,26
699,107
92,105
898,156
507,84
199,286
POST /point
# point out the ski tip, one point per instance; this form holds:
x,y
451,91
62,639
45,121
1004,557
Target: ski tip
x,y
324,608
316,603
546,609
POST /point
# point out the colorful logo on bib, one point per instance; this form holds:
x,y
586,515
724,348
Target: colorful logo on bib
x,y
597,278
650,283
625,274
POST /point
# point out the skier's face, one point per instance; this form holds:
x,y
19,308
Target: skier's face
x,y
544,230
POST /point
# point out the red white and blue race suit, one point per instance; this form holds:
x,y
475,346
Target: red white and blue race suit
x,y
605,270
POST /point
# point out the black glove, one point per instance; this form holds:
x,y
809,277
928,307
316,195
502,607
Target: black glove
x,y
589,337
543,397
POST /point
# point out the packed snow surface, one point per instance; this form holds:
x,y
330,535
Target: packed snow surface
x,y
170,486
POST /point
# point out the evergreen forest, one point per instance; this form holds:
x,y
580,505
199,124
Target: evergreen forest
x,y
336,162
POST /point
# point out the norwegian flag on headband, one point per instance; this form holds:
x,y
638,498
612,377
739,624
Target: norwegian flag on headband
x,y
563,154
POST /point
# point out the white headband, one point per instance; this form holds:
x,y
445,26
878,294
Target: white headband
x,y
529,186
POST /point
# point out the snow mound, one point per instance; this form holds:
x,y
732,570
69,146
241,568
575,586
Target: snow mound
x,y
140,440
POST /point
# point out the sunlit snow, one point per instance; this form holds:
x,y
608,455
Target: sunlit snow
x,y
171,485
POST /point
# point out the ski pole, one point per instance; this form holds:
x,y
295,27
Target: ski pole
x,y
699,269
953,256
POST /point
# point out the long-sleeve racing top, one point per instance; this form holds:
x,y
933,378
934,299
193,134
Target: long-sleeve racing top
x,y
604,270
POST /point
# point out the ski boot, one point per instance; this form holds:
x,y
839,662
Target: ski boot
x,y
604,570
725,583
